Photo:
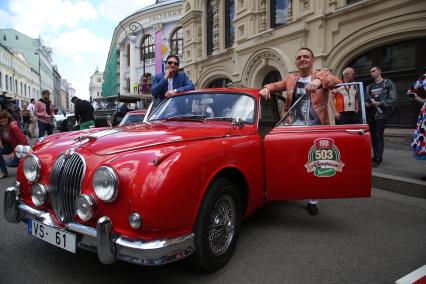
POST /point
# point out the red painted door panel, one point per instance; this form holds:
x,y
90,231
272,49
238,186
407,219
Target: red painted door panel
x,y
318,162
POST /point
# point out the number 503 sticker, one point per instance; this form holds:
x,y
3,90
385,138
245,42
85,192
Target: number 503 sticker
x,y
324,158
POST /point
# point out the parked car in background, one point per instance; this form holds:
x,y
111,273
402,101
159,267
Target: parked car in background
x,y
131,117
179,184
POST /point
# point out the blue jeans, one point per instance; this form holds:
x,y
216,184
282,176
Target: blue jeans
x,y
44,127
12,163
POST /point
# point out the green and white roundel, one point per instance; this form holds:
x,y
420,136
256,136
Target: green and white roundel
x,y
324,158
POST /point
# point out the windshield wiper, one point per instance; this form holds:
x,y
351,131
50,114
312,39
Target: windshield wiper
x,y
226,118
187,117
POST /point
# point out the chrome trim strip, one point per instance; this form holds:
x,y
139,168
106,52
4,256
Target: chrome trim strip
x,y
81,229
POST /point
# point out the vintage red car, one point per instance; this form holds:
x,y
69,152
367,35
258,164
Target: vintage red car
x,y
179,184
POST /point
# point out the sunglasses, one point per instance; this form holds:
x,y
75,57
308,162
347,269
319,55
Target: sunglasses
x,y
173,63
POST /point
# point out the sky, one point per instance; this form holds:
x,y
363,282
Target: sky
x,y
78,31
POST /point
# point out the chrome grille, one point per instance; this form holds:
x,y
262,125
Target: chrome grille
x,y
65,185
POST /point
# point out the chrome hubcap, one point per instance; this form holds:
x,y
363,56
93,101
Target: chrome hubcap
x,y
222,225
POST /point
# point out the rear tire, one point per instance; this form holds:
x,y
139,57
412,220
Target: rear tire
x,y
217,225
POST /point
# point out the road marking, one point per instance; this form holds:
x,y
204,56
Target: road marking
x,y
418,276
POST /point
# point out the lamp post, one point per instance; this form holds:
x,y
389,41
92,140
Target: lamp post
x,y
134,27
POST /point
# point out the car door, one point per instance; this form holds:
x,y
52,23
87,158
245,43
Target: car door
x,y
318,161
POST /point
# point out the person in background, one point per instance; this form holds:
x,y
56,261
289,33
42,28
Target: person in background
x,y
345,100
33,125
11,135
379,99
26,119
83,113
419,139
171,81
317,83
43,110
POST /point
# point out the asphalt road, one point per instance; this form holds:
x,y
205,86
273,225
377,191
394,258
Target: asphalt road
x,y
375,240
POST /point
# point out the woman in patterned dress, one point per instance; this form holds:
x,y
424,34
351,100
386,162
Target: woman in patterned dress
x,y
419,141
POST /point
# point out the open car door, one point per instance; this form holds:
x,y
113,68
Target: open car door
x,y
305,161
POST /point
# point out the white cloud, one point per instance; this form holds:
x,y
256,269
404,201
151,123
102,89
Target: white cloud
x,y
33,17
79,41
117,10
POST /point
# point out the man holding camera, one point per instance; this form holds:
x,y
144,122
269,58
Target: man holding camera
x,y
380,97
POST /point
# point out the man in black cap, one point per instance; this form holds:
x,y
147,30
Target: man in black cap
x,y
83,113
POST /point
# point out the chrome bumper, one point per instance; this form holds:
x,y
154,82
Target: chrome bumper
x,y
108,246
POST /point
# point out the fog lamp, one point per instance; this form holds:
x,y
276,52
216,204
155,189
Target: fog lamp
x,y
135,220
86,207
39,194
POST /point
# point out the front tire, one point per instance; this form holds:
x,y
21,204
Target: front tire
x,y
217,226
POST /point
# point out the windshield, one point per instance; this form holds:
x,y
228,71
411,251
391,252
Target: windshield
x,y
224,106
132,118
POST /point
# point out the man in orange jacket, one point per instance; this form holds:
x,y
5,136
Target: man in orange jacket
x,y
316,83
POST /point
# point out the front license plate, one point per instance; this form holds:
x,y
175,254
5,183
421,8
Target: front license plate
x,y
52,235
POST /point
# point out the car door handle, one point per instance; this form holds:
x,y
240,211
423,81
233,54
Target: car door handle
x,y
356,131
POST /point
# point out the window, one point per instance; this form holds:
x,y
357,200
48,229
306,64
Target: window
x,y
147,48
25,89
229,26
1,81
219,83
98,80
16,37
128,54
176,42
21,88
7,81
210,19
279,12
16,86
349,2
4,37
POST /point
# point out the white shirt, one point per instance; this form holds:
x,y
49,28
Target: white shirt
x,y
170,84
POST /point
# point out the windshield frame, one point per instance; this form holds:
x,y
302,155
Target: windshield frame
x,y
242,93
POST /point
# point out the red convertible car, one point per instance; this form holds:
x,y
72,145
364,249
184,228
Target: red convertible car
x,y
179,184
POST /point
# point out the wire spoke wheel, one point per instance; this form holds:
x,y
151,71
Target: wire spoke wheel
x,y
222,225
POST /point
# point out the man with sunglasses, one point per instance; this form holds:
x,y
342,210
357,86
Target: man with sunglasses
x,y
170,82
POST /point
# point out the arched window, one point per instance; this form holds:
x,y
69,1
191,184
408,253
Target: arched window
x,y
128,54
11,84
279,12
209,22
25,89
21,88
147,48
271,77
16,86
229,26
176,42
7,82
219,83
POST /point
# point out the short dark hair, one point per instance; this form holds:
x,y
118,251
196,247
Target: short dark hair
x,y
45,92
377,67
173,56
74,99
32,100
308,49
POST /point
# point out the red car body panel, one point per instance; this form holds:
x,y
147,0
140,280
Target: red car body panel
x,y
165,168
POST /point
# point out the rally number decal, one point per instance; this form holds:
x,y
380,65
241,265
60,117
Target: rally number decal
x,y
324,158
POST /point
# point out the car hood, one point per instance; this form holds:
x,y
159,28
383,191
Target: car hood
x,y
115,140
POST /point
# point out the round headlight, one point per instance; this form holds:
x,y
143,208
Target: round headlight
x,y
26,150
135,220
39,194
86,207
105,184
32,167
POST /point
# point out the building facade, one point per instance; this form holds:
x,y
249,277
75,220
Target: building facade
x,y
95,87
251,43
139,46
38,56
56,87
17,79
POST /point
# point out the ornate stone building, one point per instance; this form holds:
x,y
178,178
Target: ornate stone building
x,y
139,46
95,87
253,42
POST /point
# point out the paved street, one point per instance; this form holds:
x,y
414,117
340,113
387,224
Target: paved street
x,y
375,240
